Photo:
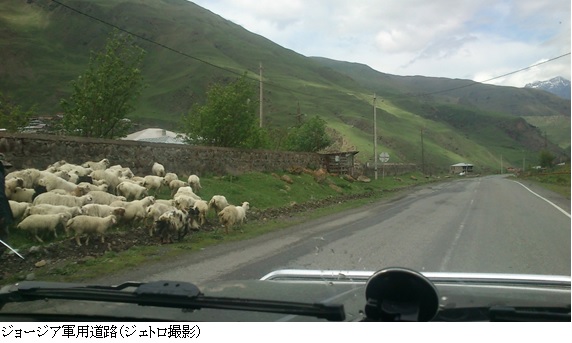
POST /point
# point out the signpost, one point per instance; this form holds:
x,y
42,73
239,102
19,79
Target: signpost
x,y
374,138
383,157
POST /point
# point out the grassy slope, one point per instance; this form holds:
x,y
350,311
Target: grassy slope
x,y
557,128
342,96
509,100
545,111
557,179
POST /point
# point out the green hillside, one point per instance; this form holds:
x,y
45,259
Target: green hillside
x,y
44,45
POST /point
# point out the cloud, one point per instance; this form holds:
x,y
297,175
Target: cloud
x,y
281,14
447,38
444,48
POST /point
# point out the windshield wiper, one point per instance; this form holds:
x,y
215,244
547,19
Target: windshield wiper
x,y
183,295
544,314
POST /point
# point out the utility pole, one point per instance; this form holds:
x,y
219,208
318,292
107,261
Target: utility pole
x,y
261,92
374,137
422,154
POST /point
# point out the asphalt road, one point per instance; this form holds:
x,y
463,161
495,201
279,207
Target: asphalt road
x,y
490,224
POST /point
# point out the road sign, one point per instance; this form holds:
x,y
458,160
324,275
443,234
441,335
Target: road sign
x,y
384,157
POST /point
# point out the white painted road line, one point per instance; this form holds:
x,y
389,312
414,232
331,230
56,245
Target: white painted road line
x,y
548,201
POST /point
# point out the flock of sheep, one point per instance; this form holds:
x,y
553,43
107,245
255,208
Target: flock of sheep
x,y
90,198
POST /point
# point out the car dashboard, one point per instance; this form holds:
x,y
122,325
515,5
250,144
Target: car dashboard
x,y
389,295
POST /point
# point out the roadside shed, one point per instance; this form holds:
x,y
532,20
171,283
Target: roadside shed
x,y
340,162
460,168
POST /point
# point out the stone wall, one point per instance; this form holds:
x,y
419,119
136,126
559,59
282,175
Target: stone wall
x,y
390,169
39,151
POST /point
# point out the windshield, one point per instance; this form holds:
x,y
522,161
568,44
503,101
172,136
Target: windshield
x,y
217,142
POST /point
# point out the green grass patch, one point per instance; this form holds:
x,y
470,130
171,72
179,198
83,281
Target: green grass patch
x,y
556,180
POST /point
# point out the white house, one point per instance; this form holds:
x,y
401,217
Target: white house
x,y
461,168
156,135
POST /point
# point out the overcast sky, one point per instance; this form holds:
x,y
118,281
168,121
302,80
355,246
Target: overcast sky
x,y
467,39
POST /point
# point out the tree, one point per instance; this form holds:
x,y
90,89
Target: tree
x,y
105,93
546,159
227,119
311,136
12,117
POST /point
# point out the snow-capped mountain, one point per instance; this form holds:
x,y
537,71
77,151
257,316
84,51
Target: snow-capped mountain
x,y
558,86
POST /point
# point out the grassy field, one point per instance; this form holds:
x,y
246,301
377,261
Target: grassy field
x,y
556,180
557,128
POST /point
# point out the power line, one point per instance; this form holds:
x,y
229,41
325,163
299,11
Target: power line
x,y
295,91
496,77
175,50
149,40
526,68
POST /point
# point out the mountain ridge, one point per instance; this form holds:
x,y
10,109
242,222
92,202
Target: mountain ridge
x,y
55,43
556,85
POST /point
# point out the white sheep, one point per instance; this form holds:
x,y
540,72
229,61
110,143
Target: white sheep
x,y
74,169
52,182
22,194
136,210
174,186
202,207
184,202
19,209
110,179
10,184
89,225
136,179
218,202
54,209
152,182
169,177
104,198
98,182
101,165
232,215
65,200
195,183
131,191
62,174
169,202
188,191
98,210
154,211
74,178
87,187
43,222
61,192
122,172
56,165
158,169
29,177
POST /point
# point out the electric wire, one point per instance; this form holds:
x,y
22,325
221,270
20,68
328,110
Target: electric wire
x,y
147,39
498,77
296,91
